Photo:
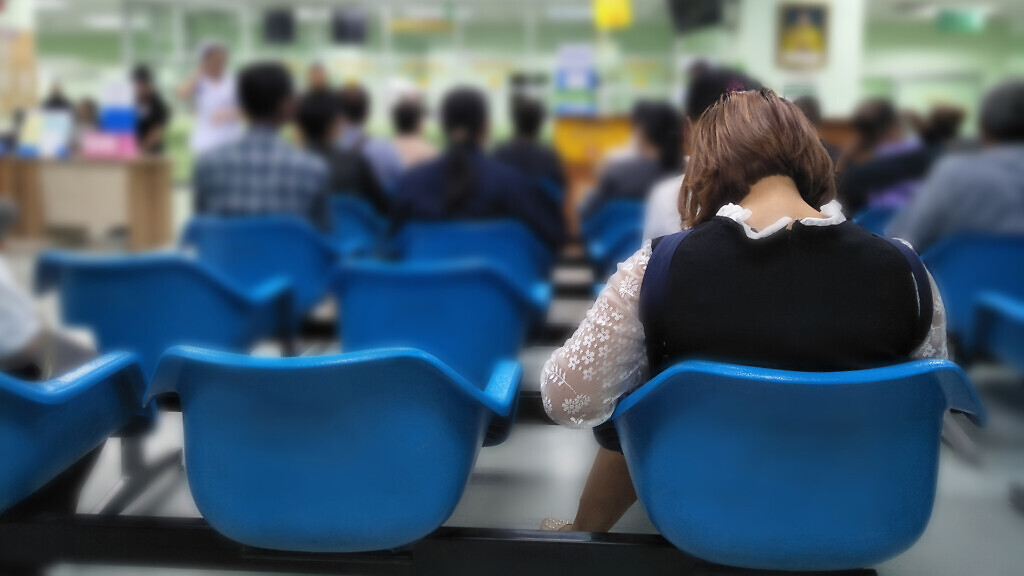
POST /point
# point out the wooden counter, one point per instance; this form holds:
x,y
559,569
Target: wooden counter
x,y
582,143
93,195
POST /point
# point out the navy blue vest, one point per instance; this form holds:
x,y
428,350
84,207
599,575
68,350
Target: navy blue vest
x,y
810,298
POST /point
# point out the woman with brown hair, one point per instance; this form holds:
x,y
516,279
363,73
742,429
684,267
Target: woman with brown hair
x,y
767,273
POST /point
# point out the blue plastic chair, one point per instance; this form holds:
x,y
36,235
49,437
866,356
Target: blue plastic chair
x,y
966,266
767,469
45,427
255,250
469,315
877,219
608,252
356,228
609,219
506,243
148,303
345,453
999,328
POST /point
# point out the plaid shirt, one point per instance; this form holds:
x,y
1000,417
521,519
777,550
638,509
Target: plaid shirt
x,y
260,174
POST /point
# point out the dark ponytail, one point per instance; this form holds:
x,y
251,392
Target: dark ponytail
x,y
464,120
662,127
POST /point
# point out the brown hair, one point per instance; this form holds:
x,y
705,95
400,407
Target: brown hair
x,y
746,137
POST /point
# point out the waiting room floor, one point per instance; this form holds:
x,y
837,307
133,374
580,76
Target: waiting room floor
x,y
540,471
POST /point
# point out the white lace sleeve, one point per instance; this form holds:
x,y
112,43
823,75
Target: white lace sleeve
x,y
934,346
605,358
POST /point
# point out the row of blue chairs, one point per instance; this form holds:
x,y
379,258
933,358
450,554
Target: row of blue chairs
x,y
747,467
612,234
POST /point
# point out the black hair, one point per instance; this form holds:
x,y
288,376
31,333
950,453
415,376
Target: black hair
x,y
355,103
406,116
527,116
662,127
640,107
873,119
811,108
1002,113
318,110
708,87
141,74
464,117
262,88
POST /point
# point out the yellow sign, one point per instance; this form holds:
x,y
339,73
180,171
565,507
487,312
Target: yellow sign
x,y
613,14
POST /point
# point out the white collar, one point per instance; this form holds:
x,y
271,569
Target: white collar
x,y
833,212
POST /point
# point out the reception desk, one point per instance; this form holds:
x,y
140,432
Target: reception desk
x,y
582,142
94,196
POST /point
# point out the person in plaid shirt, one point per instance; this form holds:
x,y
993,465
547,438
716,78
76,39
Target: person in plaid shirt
x,y
261,174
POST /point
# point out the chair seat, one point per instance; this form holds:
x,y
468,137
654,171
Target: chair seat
x,y
999,329
45,427
355,452
775,470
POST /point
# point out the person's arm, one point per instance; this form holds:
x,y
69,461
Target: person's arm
x,y
935,345
605,358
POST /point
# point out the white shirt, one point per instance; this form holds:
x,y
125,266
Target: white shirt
x,y
18,321
607,355
661,213
213,99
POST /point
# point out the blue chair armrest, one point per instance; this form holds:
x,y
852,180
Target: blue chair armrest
x,y
502,393
540,297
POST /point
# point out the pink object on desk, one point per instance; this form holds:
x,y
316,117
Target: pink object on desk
x,y
108,146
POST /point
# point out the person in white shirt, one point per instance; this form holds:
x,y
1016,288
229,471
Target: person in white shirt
x,y
28,350
661,214
211,93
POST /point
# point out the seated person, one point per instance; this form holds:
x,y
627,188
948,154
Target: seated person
x,y
883,165
811,108
407,119
355,110
260,173
661,213
981,191
659,155
349,173
465,184
29,350
770,274
525,152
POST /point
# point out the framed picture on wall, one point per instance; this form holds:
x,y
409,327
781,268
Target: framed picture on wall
x,y
803,35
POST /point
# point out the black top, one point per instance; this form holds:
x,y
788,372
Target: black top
x,y
533,159
352,174
501,193
153,114
811,298
858,183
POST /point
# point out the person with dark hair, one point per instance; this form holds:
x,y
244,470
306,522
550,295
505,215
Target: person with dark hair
x,y
661,216
211,93
354,102
260,173
152,113
660,154
407,119
463,183
978,191
525,152
56,100
768,274
319,123
811,108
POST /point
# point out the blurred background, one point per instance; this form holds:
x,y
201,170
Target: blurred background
x,y
879,78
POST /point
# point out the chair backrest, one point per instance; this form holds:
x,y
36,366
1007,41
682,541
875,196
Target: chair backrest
x,y
767,469
999,328
505,243
254,250
355,226
343,453
965,266
608,253
469,315
876,219
45,427
148,303
615,214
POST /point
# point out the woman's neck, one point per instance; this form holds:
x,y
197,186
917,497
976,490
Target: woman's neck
x,y
773,198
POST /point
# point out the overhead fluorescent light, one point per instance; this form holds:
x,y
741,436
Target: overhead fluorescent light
x,y
114,22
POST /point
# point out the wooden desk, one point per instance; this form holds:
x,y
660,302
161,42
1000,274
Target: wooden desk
x,y
583,143
95,195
